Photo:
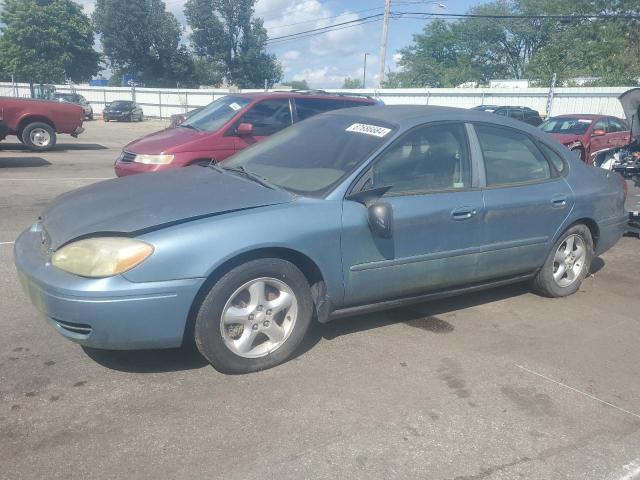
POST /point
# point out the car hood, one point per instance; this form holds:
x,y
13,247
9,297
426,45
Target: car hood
x,y
566,138
630,101
170,140
144,202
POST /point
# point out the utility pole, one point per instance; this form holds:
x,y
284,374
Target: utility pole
x,y
551,94
364,72
383,41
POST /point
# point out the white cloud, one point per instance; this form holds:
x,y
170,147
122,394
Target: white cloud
x,y
290,55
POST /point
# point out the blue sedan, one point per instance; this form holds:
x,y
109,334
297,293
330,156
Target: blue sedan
x,y
351,211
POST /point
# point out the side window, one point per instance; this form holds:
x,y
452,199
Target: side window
x,y
268,117
516,113
502,111
427,158
510,156
616,125
601,125
308,107
554,157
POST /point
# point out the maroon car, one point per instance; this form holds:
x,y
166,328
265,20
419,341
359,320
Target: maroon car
x,y
226,126
36,122
587,135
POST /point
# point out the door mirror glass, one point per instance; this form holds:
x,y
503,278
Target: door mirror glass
x,y
598,132
381,219
245,130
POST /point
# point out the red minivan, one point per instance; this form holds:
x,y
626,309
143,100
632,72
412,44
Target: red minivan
x,y
226,126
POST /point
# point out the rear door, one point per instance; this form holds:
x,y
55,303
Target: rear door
x,y
308,107
267,117
526,200
619,133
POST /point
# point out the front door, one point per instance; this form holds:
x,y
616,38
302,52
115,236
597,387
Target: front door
x,y
436,224
267,117
526,200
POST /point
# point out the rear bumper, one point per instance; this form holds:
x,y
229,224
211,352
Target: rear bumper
x,y
77,131
611,231
109,313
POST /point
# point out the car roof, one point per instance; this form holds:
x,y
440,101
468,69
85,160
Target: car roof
x,y
580,115
306,94
407,116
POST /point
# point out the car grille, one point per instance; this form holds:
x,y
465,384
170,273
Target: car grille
x,y
127,157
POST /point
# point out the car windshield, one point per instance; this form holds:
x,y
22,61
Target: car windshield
x,y
312,157
120,104
215,115
566,125
67,97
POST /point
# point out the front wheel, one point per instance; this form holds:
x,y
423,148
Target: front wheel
x,y
567,265
254,317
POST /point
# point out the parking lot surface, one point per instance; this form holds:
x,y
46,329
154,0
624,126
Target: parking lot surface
x,y
501,384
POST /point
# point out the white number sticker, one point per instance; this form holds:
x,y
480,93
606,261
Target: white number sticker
x,y
369,129
235,106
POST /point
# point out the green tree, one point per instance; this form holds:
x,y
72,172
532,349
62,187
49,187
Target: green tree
x,y
296,84
352,83
447,54
46,41
141,38
226,33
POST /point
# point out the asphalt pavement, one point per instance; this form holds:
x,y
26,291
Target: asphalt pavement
x,y
501,384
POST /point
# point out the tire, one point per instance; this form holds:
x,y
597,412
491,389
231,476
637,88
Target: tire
x,y
267,336
39,137
106,120
90,117
557,278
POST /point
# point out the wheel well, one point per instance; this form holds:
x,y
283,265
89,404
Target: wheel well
x,y
31,119
592,226
307,266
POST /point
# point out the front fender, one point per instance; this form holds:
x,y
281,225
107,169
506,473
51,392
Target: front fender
x,y
196,249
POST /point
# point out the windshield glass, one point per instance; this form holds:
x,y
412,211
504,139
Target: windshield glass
x,y
67,97
215,115
566,125
120,104
312,157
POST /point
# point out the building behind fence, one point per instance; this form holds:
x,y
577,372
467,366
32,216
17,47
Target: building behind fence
x,y
162,102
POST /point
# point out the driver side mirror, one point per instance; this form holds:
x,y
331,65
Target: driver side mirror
x,y
380,216
245,130
598,133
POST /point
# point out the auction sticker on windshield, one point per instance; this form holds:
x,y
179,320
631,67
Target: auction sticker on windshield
x,y
369,129
235,106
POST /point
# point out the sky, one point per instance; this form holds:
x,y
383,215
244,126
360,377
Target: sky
x,y
326,60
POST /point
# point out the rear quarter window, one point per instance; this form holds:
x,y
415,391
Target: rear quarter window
x,y
554,158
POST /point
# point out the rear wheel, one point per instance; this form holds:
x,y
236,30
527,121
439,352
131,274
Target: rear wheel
x,y
567,265
254,317
39,137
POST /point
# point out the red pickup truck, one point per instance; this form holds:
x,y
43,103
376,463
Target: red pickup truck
x,y
36,122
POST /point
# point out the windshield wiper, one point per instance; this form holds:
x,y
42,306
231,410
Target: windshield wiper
x,y
251,176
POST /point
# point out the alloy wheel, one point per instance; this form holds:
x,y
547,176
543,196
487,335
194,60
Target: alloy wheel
x,y
259,317
569,260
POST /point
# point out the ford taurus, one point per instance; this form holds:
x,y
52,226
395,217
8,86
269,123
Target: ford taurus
x,y
350,211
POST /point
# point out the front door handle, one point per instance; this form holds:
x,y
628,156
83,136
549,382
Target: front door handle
x,y
463,213
559,201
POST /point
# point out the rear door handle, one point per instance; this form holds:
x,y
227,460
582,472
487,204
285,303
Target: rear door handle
x,y
559,201
463,213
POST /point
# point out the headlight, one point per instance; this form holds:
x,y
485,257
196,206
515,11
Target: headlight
x,y
153,159
101,257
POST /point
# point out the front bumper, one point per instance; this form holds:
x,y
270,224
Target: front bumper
x,y
109,313
117,116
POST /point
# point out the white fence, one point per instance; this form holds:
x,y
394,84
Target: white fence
x,y
162,103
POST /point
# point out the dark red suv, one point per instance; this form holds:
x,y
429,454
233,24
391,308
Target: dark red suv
x,y
226,126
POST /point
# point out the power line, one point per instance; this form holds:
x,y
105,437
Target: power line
x,y
328,27
313,34
602,16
